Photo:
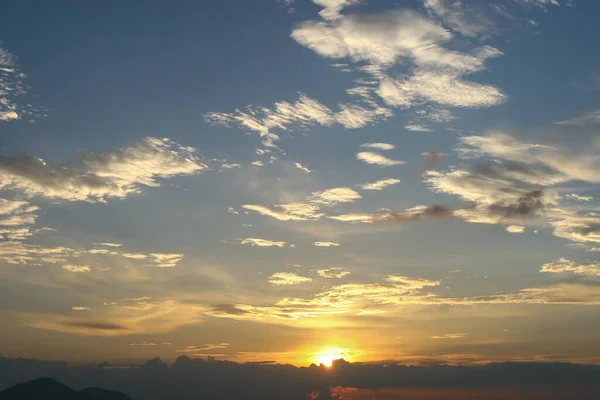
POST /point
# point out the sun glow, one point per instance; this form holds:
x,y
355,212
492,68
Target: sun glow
x,y
328,356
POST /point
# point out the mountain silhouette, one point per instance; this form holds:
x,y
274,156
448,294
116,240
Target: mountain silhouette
x,y
51,389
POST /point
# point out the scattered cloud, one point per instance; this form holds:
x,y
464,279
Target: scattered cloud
x,y
515,229
326,244
302,168
258,163
331,197
574,196
417,128
77,268
80,308
287,212
451,336
262,242
331,273
377,159
561,265
101,175
378,146
381,184
287,278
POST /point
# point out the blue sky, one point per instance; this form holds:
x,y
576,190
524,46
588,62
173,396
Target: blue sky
x,y
318,173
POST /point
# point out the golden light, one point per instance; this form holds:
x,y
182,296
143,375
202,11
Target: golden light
x,y
328,356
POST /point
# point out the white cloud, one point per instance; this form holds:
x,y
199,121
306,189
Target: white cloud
x,y
80,308
332,8
450,336
364,218
305,112
332,273
287,278
164,260
588,268
377,159
380,184
302,168
326,244
287,212
331,197
258,163
230,166
107,175
262,242
379,146
515,229
77,268
575,196
11,86
417,128
15,213
109,244
353,116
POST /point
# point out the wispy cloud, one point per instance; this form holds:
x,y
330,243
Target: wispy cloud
x,y
335,196
106,175
380,184
561,265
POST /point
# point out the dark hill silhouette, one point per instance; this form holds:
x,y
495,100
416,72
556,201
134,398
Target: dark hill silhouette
x,y
51,389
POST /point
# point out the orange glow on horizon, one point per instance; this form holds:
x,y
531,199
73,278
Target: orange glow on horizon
x,y
329,355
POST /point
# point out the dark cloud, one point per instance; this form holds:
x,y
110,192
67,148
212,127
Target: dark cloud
x,y
200,378
230,309
105,326
530,204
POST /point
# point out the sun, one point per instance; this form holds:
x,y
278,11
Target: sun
x,y
328,356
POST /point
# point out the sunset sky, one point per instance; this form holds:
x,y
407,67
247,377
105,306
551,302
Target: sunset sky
x,y
299,181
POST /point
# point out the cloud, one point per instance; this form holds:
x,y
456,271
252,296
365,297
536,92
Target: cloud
x,y
332,8
302,114
204,348
381,184
11,87
450,336
302,168
109,244
287,278
588,118
80,308
417,128
379,146
101,175
515,229
386,38
577,197
15,213
305,112
77,268
377,159
331,273
287,212
415,213
564,265
141,315
164,260
262,242
331,197
258,163
326,244
353,217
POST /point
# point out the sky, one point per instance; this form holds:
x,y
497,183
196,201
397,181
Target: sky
x,y
300,181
